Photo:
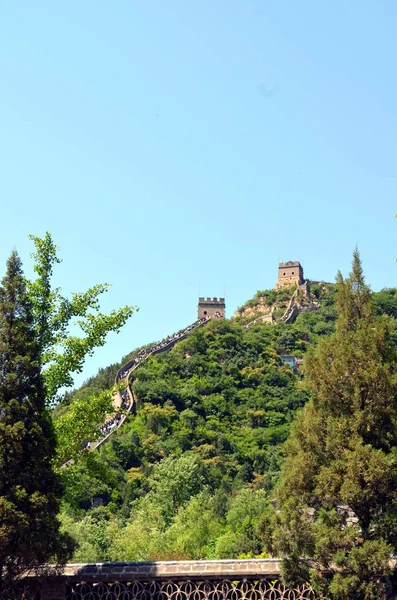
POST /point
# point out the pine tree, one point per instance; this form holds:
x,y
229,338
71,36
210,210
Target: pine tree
x,y
337,495
29,490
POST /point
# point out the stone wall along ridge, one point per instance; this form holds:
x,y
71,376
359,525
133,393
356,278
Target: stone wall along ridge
x,y
131,365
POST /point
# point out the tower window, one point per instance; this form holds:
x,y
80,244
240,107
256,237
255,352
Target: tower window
x,y
292,273
205,312
283,273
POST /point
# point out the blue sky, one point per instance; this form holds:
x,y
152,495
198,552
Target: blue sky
x,y
180,147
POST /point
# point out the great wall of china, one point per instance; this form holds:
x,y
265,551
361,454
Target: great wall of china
x,y
126,371
289,274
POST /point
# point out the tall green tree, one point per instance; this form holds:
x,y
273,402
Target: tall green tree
x,y
63,353
30,491
337,496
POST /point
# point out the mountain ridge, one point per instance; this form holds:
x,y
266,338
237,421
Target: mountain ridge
x,y
190,473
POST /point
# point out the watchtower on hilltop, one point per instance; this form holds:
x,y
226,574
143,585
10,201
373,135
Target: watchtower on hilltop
x,y
211,307
289,273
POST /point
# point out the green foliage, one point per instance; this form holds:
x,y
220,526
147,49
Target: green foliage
x,y
263,302
29,489
211,417
246,519
38,357
385,302
93,533
172,483
192,472
63,354
194,530
79,424
337,495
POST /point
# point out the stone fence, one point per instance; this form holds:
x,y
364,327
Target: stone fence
x,y
176,580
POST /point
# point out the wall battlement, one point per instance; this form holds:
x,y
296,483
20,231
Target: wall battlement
x,y
211,300
290,263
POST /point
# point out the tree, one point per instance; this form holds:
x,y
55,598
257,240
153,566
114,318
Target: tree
x,y
337,496
173,482
63,354
194,530
30,491
80,423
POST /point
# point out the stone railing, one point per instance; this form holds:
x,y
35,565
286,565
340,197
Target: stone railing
x,y
179,580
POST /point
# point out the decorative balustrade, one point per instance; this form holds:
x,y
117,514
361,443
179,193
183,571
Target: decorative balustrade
x,y
176,580
224,589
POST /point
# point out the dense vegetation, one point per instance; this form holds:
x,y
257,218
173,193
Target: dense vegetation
x,y
191,474
337,494
30,491
200,466
38,357
264,301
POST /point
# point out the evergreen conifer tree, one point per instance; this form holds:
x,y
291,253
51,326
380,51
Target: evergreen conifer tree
x,y
337,496
29,490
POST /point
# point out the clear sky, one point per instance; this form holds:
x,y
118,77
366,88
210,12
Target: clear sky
x,y
181,147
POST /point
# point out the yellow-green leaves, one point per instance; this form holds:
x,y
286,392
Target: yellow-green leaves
x,y
79,424
62,353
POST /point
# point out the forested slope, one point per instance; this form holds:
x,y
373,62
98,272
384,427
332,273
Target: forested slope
x,y
190,474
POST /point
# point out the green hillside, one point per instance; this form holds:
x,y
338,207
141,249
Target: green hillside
x,y
190,473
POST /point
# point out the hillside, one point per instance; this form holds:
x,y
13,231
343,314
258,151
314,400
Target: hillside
x,y
190,473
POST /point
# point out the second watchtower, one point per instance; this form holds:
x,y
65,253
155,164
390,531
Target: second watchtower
x,y
289,273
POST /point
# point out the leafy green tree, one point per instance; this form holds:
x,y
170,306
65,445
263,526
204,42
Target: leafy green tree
x,y
93,534
62,353
88,483
338,491
30,491
194,530
173,482
386,302
142,538
79,424
245,518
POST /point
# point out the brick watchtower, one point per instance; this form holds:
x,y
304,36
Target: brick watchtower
x,y
209,307
289,274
